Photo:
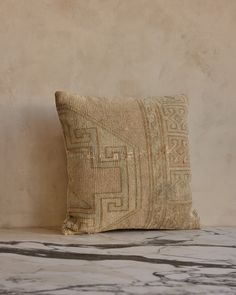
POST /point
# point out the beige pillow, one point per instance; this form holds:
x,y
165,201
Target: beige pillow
x,y
128,163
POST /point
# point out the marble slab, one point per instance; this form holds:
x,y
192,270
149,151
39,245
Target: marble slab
x,y
42,261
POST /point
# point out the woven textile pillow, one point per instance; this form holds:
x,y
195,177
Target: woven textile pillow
x,y
128,163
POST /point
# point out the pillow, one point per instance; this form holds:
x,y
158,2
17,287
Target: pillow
x,y
127,162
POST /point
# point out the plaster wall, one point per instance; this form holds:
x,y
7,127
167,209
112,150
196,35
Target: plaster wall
x,y
118,48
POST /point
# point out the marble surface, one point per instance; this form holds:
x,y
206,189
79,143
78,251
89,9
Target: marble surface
x,y
40,261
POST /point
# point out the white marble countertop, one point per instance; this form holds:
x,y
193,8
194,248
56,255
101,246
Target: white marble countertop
x,y
41,261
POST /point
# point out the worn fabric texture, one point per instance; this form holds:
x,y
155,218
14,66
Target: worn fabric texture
x,y
128,163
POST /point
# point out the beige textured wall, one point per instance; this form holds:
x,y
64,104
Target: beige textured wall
x,y
113,47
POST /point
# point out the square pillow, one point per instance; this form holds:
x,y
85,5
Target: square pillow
x,y
128,163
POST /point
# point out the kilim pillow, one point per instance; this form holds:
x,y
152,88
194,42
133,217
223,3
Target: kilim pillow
x,y
128,163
